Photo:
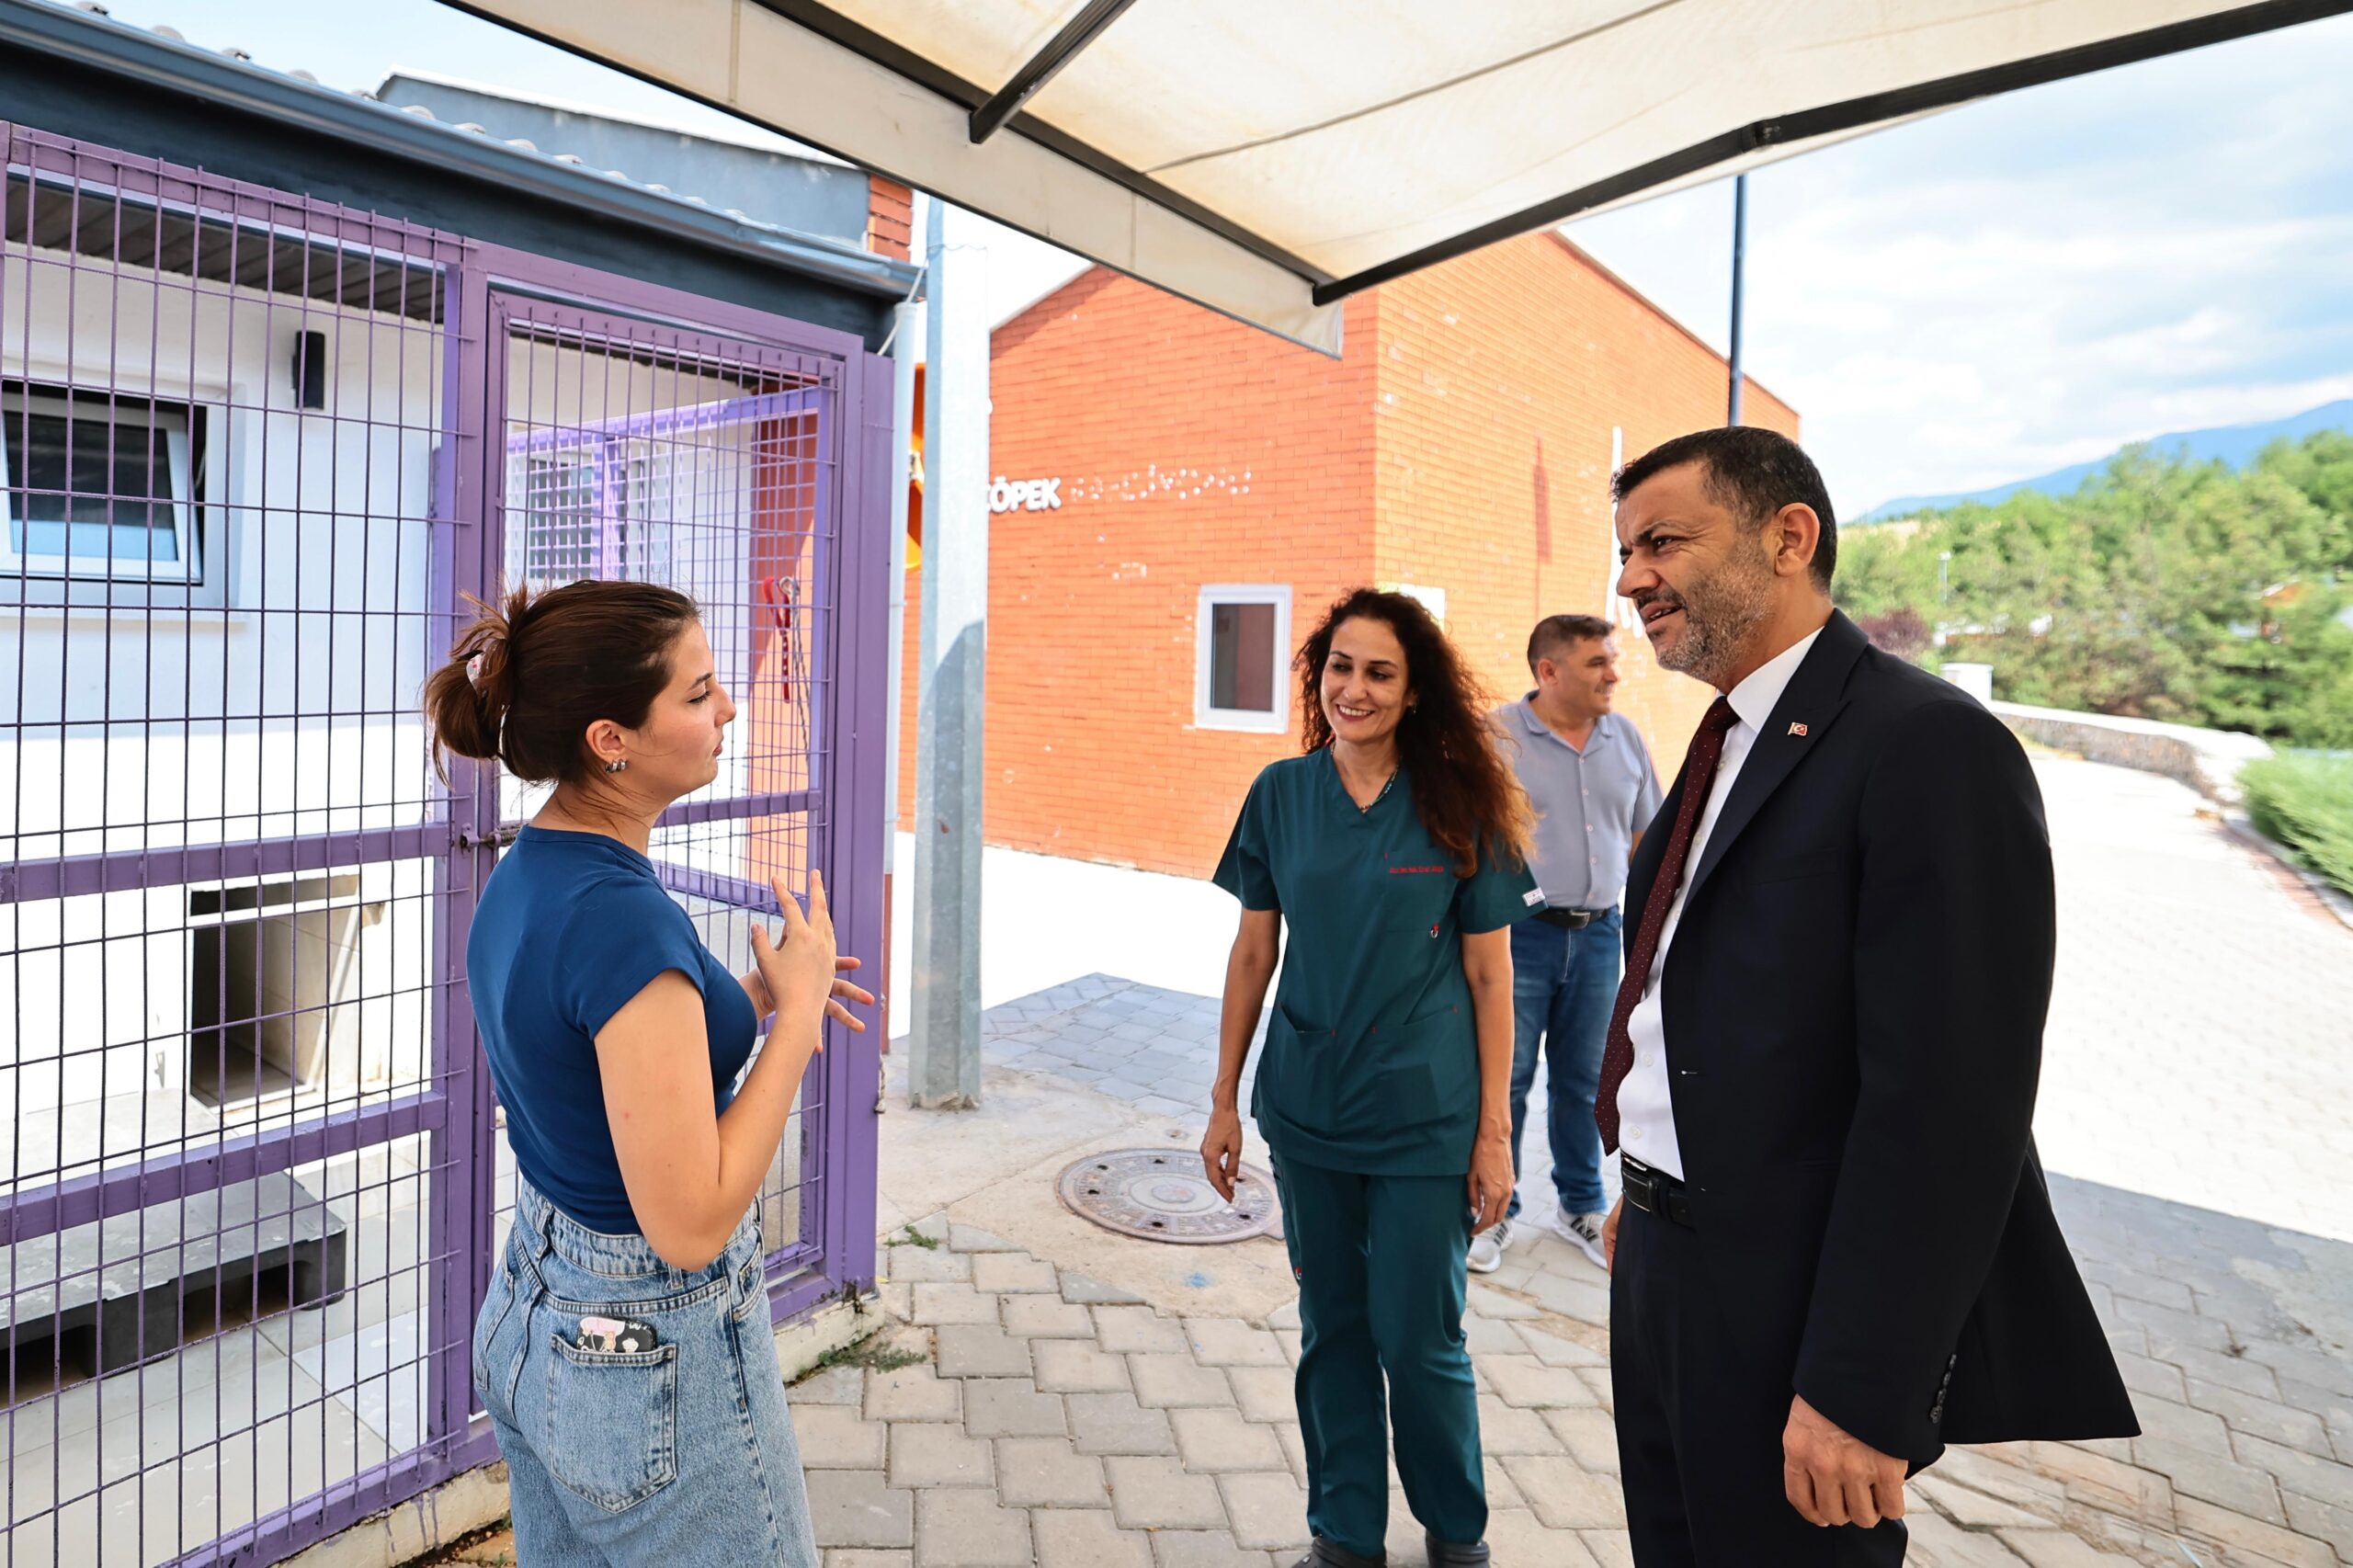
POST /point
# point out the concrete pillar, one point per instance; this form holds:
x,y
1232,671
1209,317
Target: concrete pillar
x,y
944,1042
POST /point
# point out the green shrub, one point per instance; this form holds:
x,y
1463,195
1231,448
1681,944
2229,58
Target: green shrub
x,y
2305,802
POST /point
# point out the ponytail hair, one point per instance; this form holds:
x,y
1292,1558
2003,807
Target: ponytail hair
x,y
525,681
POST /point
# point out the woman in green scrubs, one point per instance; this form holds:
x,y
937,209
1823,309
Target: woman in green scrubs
x,y
1394,849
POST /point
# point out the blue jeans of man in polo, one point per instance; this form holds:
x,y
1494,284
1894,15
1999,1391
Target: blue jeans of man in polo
x,y
1563,985
681,1456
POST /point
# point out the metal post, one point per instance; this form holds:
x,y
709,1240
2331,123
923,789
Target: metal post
x,y
844,1155
943,1055
906,353
1739,265
467,552
1614,610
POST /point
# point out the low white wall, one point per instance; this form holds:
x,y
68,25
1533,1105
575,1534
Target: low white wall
x,y
100,998
2207,760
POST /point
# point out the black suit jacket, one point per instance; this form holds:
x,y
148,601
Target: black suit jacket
x,y
1854,1007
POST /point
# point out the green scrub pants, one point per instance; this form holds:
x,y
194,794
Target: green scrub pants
x,y
1379,1264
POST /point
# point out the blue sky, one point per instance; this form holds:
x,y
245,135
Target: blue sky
x,y
1998,292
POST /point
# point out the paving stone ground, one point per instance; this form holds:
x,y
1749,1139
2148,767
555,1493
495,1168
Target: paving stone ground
x,y
1169,1442
1178,1443
2201,1045
1155,1049
1133,1436
2197,1116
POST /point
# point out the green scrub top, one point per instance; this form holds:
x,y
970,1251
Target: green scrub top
x,y
1371,1059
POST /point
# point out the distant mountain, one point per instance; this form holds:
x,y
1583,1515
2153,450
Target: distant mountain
x,y
2234,444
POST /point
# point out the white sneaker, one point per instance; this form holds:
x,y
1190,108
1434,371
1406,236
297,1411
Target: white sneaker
x,y
1583,1231
1487,1247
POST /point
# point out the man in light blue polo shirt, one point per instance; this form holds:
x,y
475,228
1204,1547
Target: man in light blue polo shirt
x,y
1588,774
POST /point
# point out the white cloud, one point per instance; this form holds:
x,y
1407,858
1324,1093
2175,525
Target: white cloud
x,y
2031,281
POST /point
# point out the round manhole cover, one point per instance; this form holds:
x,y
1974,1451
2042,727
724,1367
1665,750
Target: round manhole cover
x,y
1162,1196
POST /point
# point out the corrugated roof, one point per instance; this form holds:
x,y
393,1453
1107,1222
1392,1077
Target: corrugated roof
x,y
414,131
744,134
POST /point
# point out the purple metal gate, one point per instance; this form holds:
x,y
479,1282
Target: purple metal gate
x,y
253,451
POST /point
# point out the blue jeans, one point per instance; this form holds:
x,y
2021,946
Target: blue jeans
x,y
682,1455
1563,985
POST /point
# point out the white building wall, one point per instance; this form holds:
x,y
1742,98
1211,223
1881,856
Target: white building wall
x,y
278,698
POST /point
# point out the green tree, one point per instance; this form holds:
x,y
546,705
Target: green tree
x,y
2295,681
1887,567
2159,589
2321,466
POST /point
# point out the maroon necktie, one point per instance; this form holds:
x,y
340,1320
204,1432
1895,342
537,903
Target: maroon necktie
x,y
1699,779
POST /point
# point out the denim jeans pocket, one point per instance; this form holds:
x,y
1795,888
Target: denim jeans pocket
x,y
613,1423
750,1286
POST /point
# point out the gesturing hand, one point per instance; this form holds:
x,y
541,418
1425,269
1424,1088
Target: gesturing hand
x,y
844,992
799,968
1834,1479
755,986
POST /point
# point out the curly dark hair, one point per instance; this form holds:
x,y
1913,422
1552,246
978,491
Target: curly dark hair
x,y
1465,792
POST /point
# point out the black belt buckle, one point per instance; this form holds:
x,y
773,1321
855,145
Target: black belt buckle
x,y
1655,1192
1635,1179
1568,919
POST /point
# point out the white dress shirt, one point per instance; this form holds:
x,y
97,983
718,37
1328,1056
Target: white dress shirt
x,y
1645,1105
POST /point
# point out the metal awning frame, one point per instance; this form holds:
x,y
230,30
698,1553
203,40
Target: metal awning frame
x,y
913,118
1767,141
1076,34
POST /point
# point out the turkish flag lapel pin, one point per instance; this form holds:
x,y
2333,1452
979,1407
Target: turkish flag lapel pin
x,y
1798,729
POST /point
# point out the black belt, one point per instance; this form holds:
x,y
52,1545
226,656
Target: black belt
x,y
1572,919
1655,1192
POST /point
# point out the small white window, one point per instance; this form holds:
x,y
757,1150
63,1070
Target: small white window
x,y
98,484
600,509
1241,657
559,517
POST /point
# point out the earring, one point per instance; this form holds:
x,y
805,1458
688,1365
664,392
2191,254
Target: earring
x,y
617,765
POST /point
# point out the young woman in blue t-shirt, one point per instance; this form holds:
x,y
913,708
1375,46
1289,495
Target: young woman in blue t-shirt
x,y
626,1329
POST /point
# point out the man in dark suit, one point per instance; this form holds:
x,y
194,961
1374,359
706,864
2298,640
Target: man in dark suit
x,y
1836,1252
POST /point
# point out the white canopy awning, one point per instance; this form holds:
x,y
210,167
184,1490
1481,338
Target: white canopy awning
x,y
1268,157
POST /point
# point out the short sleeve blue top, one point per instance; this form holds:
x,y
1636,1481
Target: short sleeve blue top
x,y
1371,1059
570,926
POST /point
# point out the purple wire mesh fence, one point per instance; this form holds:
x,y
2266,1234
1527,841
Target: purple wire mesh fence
x,y
253,448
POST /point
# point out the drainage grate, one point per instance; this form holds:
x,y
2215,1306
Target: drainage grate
x,y
1161,1196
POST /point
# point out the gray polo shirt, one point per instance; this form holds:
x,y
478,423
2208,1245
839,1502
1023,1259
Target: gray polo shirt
x,y
1589,804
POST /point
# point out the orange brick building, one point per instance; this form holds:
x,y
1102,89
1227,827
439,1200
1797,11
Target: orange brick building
x,y
1213,489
